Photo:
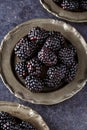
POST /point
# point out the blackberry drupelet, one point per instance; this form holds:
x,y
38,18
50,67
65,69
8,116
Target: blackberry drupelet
x,y
55,41
71,5
47,57
71,72
55,75
26,126
18,44
25,49
38,35
21,69
34,67
7,122
83,5
34,84
66,55
71,46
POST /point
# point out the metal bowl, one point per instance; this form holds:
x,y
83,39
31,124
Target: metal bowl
x,y
24,113
8,59
53,8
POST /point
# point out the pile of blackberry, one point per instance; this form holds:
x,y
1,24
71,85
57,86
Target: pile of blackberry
x,y
48,60
8,122
72,5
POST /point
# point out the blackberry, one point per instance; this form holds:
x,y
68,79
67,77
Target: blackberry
x,y
34,84
34,67
47,57
26,126
55,75
83,5
58,2
24,49
21,69
71,72
71,5
38,35
66,56
19,43
71,46
7,122
54,42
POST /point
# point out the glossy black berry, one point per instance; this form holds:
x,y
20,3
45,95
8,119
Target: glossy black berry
x,y
38,35
71,5
55,42
34,84
21,69
55,75
71,46
34,67
71,72
25,49
8,122
47,57
66,56
26,126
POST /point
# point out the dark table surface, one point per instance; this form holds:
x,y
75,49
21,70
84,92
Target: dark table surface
x,y
68,115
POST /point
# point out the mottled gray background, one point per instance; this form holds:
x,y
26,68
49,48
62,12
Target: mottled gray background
x,y
69,115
